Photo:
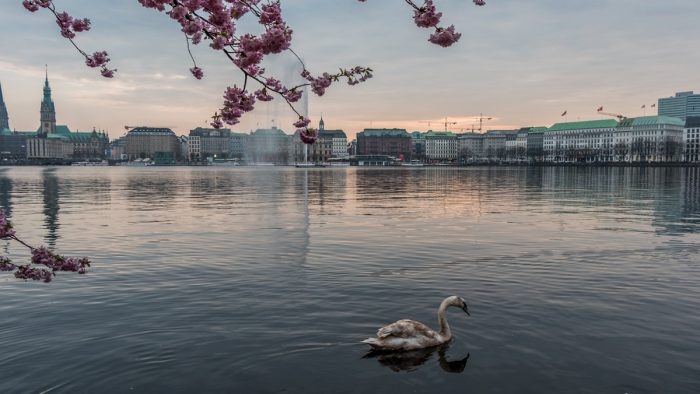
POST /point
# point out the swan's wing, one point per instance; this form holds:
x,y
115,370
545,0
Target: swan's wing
x,y
405,329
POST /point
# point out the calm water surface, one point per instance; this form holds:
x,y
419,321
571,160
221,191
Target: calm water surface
x,y
265,279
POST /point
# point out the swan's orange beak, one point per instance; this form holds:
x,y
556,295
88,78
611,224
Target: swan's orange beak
x,y
465,309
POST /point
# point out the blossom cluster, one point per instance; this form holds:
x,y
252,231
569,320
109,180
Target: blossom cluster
x,y
69,26
41,256
217,22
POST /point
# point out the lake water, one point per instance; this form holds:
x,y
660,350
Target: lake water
x,y
242,280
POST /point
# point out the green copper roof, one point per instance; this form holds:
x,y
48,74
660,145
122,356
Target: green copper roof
x,y
384,133
538,130
438,134
27,134
588,124
651,120
269,132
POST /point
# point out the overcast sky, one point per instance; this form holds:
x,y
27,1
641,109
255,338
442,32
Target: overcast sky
x,y
522,62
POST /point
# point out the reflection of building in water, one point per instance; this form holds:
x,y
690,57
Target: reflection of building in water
x,y
6,193
690,199
51,206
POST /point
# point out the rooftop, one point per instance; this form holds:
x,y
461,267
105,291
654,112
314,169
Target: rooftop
x,y
151,131
587,124
269,132
651,120
384,133
692,121
440,134
332,134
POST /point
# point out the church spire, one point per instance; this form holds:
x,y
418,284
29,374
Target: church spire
x,y
4,118
321,124
48,111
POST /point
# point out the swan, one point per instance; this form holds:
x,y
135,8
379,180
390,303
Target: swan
x,y
411,335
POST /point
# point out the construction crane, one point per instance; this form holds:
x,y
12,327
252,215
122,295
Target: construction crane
x,y
445,123
619,117
482,118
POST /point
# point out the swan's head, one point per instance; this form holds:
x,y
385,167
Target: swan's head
x,y
459,302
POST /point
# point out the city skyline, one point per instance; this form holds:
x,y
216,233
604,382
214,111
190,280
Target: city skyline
x,y
575,69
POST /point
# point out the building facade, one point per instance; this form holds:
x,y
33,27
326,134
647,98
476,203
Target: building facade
x,y
270,146
648,139
53,147
471,146
535,144
441,146
682,105
390,142
585,141
495,143
691,139
418,145
211,142
237,145
157,143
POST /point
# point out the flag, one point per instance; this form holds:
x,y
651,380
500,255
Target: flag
x,y
644,106
600,109
564,114
653,106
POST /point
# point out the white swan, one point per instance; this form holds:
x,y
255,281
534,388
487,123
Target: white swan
x,y
410,335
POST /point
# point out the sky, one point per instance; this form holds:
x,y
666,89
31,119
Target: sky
x,y
521,63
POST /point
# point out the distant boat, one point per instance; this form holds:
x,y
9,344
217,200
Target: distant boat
x,y
140,163
413,163
103,163
305,165
225,163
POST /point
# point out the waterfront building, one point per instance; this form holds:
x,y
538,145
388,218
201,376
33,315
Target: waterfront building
x,y
184,142
270,146
352,148
4,117
237,145
390,142
471,146
418,145
682,105
194,148
495,143
86,145
157,143
52,147
441,146
647,139
13,144
211,142
117,149
517,148
330,143
691,139
535,144
584,141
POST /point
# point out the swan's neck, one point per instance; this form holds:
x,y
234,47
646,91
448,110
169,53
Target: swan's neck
x,y
444,327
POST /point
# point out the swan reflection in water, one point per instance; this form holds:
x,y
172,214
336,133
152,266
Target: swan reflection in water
x,y
411,360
